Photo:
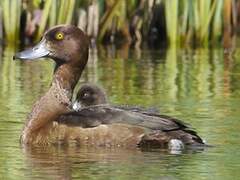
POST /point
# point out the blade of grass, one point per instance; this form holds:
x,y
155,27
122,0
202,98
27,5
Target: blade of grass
x,y
53,14
70,11
206,23
171,13
107,19
14,20
6,18
62,12
217,20
44,18
185,17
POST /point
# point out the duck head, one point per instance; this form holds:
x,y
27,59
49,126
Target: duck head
x,y
88,95
68,46
65,44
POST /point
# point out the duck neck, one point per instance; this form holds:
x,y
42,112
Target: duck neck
x,y
54,103
66,77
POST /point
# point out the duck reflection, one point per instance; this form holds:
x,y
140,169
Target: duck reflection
x,y
84,163
68,162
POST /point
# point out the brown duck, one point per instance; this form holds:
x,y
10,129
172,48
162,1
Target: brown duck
x,y
97,125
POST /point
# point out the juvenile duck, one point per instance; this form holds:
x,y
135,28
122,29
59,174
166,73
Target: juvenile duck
x,y
97,125
88,95
91,94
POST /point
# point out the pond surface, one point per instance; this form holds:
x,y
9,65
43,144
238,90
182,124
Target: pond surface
x,y
201,87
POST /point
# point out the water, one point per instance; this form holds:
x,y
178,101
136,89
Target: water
x,y
201,86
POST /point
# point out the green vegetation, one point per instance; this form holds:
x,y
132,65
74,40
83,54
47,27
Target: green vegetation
x,y
11,19
197,22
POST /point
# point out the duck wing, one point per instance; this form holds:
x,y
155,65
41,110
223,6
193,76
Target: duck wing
x,y
93,116
140,109
153,112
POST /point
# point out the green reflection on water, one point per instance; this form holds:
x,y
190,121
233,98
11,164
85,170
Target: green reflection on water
x,y
199,86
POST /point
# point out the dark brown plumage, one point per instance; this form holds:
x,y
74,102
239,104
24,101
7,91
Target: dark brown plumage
x,y
163,128
90,94
98,125
70,55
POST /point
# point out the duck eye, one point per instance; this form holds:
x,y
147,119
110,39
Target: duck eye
x,y
85,95
59,36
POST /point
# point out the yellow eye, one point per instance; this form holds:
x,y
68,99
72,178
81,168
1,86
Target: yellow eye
x,y
59,36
